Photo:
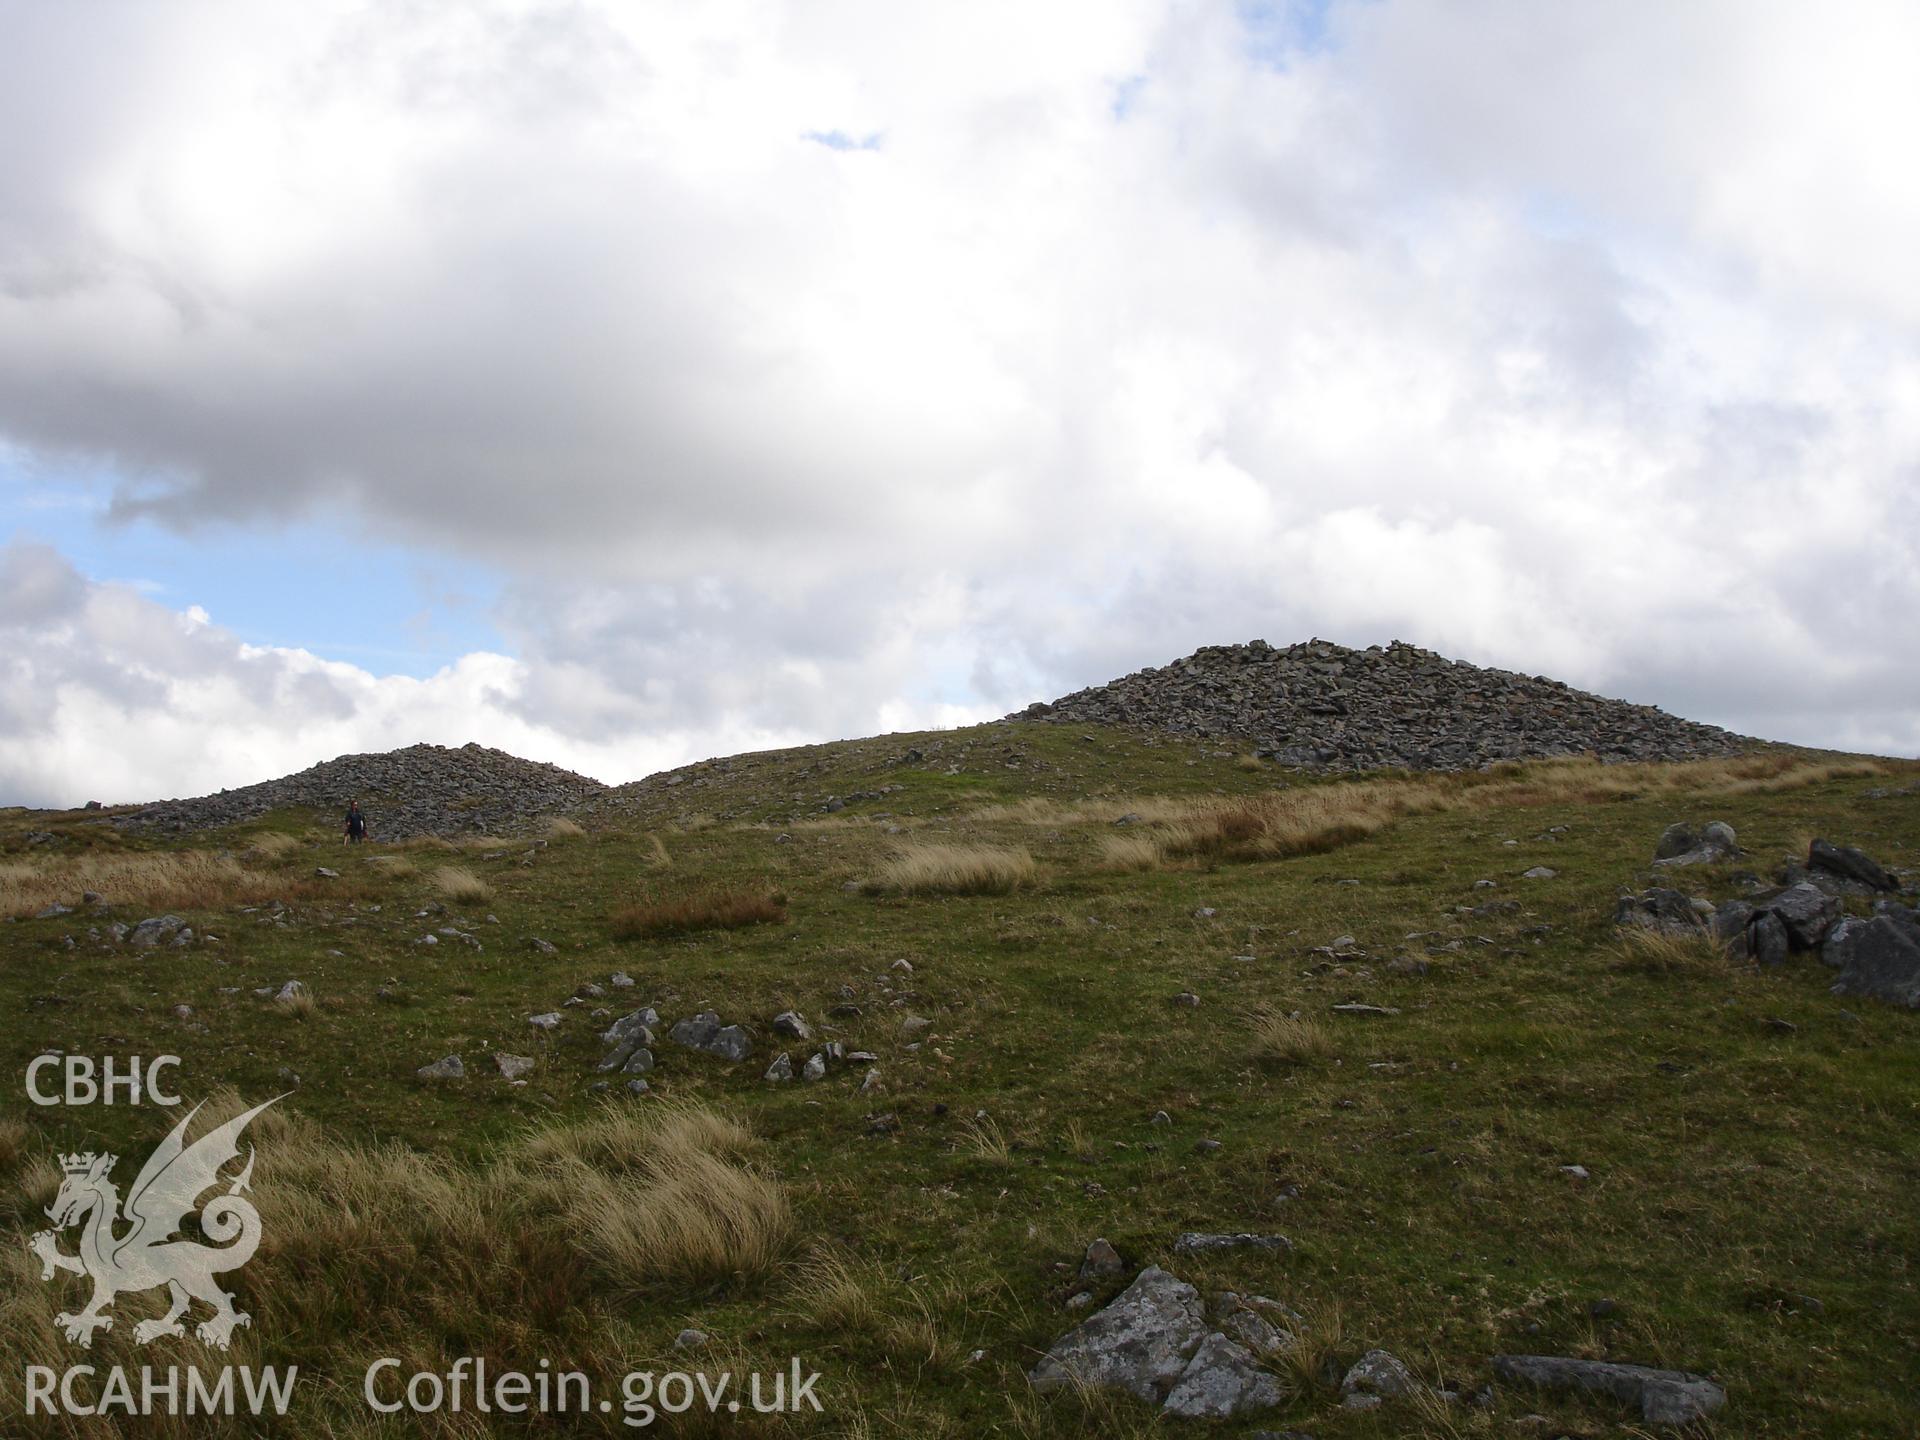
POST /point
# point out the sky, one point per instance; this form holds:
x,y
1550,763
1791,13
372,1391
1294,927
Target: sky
x,y
624,384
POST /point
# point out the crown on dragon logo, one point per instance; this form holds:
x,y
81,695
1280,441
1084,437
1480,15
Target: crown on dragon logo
x,y
81,1163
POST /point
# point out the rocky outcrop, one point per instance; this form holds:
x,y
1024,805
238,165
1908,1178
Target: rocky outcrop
x,y
1663,1397
1878,958
1155,1343
420,790
1321,705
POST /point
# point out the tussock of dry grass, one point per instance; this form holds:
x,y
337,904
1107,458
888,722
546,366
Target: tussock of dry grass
x,y
300,1005
956,870
657,852
1283,1039
837,1293
427,842
1661,953
1315,1359
709,910
149,879
1131,852
561,828
396,867
271,846
982,1137
461,885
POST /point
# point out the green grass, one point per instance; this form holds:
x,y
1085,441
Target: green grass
x,y
1414,1159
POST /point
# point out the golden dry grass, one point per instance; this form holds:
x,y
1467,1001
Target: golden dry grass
x,y
706,910
1280,1038
147,879
982,1138
657,852
561,828
835,1292
1659,952
300,1005
1131,852
1316,818
955,870
271,846
461,885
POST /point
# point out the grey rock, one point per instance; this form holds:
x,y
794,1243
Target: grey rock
x,y
636,1028
1715,842
290,992
1140,1343
638,1062
1849,864
1667,912
545,947
638,1087
550,1020
781,1069
1730,922
815,1068
1223,1379
1806,910
705,1033
690,1339
1663,1397
154,930
1194,1242
1839,942
1538,872
1767,939
1101,1259
451,1068
1879,959
325,874
792,1025
1355,1007
1379,1373
1677,839
1252,1322
512,1067
53,911
620,980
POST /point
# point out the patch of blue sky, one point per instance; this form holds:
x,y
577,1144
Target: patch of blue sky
x,y
1279,31
840,140
315,585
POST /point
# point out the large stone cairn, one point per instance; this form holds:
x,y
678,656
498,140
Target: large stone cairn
x,y
420,790
1324,706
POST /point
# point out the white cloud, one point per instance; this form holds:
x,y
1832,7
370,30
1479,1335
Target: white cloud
x,y
1573,339
107,695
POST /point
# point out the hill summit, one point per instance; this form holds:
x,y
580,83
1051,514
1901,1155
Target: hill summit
x,y
1327,706
420,789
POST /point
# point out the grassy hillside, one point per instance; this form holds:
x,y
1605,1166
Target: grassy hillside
x,y
1750,1141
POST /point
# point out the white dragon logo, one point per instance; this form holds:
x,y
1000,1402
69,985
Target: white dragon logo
x,y
163,1195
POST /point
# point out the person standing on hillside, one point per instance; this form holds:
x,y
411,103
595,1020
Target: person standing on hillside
x,y
356,823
